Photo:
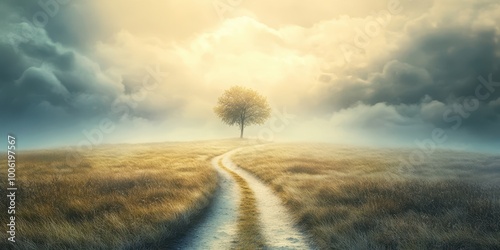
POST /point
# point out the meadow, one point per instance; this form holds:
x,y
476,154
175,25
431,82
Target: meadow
x,y
142,196
361,198
118,197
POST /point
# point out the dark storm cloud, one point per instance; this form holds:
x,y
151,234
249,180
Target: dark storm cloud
x,y
47,83
72,23
434,76
11,64
455,58
40,70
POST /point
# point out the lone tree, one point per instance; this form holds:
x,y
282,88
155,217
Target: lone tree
x,y
242,106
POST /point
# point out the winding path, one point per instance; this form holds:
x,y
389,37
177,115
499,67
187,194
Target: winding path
x,y
217,230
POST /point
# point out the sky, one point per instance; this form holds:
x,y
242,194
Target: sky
x,y
382,72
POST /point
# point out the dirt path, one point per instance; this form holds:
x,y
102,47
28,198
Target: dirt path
x,y
218,229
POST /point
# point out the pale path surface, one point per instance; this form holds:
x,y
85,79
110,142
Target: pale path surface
x,y
217,229
277,225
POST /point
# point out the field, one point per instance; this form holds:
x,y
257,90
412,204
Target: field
x,y
142,196
360,198
119,196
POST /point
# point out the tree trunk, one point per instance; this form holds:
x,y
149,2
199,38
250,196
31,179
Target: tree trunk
x,y
242,124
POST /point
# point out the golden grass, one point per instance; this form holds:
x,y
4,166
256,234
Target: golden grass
x,y
359,198
249,235
119,197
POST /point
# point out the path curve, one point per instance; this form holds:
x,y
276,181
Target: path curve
x,y
277,225
218,229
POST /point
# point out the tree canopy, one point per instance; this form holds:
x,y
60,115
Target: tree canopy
x,y
242,106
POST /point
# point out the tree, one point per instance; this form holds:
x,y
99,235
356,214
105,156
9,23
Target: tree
x,y
242,106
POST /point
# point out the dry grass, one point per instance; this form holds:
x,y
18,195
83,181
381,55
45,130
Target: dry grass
x,y
359,198
119,197
249,234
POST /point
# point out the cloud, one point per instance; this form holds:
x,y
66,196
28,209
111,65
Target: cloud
x,y
414,67
436,66
46,86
